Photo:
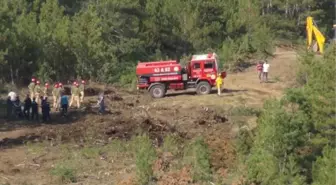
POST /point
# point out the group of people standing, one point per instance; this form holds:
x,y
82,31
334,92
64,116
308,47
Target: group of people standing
x,y
29,109
38,96
263,68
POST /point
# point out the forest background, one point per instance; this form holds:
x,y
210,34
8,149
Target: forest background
x,y
59,40
103,40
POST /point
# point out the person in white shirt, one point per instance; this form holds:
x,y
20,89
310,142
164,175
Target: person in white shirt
x,y
12,96
266,66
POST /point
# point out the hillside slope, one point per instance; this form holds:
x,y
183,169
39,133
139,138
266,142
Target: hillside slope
x,y
29,151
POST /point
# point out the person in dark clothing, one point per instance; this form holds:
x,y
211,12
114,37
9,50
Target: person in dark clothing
x,y
9,108
45,110
42,100
101,103
27,106
18,108
34,108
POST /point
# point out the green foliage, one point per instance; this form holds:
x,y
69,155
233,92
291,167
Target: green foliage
x,y
292,132
171,144
279,134
244,111
103,40
244,142
145,156
65,173
324,167
287,21
90,152
198,156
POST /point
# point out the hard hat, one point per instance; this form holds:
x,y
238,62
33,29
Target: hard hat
x,y
33,79
46,84
83,81
38,82
60,84
77,84
74,82
56,85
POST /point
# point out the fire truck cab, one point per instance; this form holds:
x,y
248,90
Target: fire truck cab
x,y
200,73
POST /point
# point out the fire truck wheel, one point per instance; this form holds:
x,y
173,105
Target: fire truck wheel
x,y
157,91
203,88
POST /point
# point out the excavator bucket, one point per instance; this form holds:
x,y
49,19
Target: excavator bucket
x,y
319,38
311,29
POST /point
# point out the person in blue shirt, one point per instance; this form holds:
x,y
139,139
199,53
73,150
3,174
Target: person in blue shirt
x,y
64,104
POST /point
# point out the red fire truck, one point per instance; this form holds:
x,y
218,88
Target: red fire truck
x,y
159,76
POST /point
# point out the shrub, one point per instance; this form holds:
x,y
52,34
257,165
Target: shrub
x,y
145,156
197,155
65,173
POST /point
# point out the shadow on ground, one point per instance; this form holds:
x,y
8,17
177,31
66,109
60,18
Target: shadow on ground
x,y
213,91
56,119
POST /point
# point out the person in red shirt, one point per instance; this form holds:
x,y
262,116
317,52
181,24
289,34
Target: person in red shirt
x,y
260,70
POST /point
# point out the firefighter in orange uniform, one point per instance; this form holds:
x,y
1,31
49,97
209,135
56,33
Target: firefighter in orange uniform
x,y
37,91
72,93
45,89
75,95
31,88
55,94
81,90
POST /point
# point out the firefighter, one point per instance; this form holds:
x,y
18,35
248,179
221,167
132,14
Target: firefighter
x,y
219,82
72,93
60,90
45,89
75,94
31,88
61,87
55,94
37,91
81,91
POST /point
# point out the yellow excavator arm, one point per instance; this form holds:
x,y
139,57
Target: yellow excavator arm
x,y
312,29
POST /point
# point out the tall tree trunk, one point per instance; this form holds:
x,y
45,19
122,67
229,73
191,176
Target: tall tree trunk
x,y
17,74
286,9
